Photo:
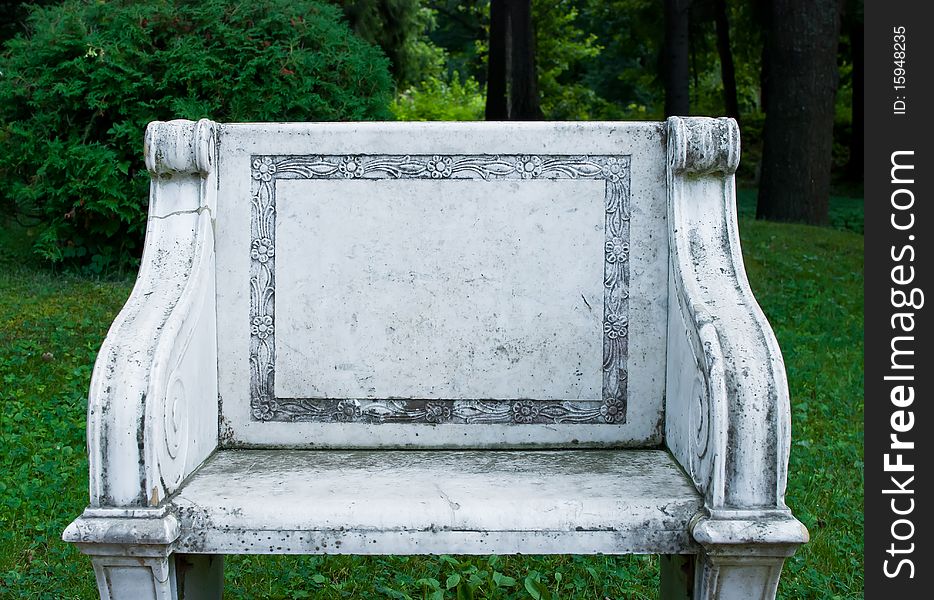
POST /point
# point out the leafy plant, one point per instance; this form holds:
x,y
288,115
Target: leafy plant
x,y
563,50
77,92
441,99
398,28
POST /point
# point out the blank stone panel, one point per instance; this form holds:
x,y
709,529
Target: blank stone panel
x,y
440,289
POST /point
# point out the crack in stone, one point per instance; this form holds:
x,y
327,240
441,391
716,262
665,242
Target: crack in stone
x,y
196,211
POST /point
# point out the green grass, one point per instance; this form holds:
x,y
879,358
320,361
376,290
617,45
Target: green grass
x,y
50,329
845,212
809,281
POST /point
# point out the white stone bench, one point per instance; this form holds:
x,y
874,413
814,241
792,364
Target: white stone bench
x,y
477,338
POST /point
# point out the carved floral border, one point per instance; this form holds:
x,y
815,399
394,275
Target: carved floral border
x,y
611,409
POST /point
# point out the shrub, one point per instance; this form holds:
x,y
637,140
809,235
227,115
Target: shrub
x,y
441,99
77,92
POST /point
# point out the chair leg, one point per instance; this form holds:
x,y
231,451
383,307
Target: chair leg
x,y
135,578
199,576
676,576
736,577
131,549
741,557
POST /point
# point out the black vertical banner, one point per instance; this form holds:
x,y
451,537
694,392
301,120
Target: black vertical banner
x,y
899,363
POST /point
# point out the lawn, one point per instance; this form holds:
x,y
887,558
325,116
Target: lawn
x,y
809,281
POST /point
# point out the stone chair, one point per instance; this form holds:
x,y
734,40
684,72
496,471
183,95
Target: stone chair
x,y
422,338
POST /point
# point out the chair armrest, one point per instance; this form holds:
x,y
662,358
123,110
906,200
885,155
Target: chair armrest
x,y
727,412
152,407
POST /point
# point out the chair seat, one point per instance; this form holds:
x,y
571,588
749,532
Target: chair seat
x,y
432,502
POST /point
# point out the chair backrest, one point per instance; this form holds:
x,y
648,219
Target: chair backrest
x,y
441,284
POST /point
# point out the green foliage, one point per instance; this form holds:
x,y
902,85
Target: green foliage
x,y
595,59
13,15
746,39
563,50
600,59
441,99
440,93
625,73
398,27
442,577
462,29
78,91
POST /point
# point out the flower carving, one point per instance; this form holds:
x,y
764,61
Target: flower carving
x,y
529,166
440,166
613,170
525,411
437,413
265,410
350,167
261,326
264,169
617,250
613,410
615,326
348,410
262,250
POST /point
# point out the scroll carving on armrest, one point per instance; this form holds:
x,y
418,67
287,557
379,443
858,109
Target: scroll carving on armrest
x,y
152,407
703,146
180,146
725,366
697,413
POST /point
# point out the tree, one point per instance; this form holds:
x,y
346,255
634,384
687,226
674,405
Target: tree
x,y
675,57
563,50
497,107
398,28
461,29
801,54
854,27
523,92
626,74
512,78
727,70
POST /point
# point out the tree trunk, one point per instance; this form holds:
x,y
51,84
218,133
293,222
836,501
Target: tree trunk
x,y
854,167
523,94
761,10
798,136
727,70
512,79
692,52
675,58
496,106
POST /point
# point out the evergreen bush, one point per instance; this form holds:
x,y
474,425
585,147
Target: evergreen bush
x,y
77,91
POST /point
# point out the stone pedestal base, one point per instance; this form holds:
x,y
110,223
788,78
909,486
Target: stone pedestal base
x,y
741,558
134,558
